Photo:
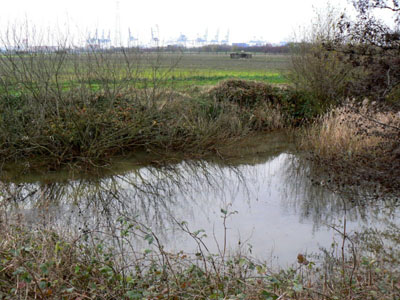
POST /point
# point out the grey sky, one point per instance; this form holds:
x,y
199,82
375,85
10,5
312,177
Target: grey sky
x,y
271,20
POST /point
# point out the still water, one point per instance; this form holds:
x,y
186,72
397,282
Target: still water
x,y
267,192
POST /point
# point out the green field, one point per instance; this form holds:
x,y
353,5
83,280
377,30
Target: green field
x,y
140,70
222,61
182,77
208,69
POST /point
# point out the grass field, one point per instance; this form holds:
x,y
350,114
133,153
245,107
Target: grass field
x,y
183,78
208,69
222,61
144,69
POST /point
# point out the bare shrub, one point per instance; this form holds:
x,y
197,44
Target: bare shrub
x,y
316,70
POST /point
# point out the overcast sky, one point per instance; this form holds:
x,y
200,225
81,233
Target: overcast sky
x,y
270,20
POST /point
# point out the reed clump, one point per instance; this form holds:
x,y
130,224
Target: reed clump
x,y
350,131
359,139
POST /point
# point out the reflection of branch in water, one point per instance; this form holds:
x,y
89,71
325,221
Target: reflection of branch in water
x,y
320,199
185,189
309,200
153,194
189,191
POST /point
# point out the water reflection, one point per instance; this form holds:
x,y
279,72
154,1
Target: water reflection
x,y
280,211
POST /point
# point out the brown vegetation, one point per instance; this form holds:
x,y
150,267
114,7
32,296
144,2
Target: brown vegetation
x,y
359,140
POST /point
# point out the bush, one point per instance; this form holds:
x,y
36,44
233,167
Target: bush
x,y
372,45
292,106
245,93
301,106
320,73
316,69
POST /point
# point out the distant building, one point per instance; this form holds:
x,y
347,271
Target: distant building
x,y
43,49
256,43
240,45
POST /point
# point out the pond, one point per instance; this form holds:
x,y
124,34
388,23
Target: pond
x,y
261,198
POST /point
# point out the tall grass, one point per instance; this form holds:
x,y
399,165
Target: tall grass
x,y
350,130
357,144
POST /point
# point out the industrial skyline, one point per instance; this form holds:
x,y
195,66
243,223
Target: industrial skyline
x,y
178,21
107,40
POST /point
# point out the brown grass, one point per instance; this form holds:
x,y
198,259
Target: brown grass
x,y
349,131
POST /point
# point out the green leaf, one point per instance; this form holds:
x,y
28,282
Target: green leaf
x,y
149,238
43,284
260,269
242,262
197,232
57,248
129,279
213,296
77,269
44,268
297,287
269,295
19,270
27,249
133,295
26,278
106,269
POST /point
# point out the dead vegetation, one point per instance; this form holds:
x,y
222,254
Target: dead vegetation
x,y
362,140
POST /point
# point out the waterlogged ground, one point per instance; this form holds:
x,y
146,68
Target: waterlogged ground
x,y
259,199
